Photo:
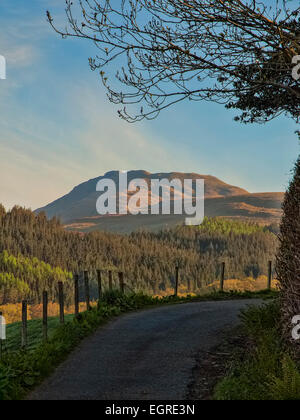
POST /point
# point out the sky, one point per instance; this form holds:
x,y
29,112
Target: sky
x,y
58,129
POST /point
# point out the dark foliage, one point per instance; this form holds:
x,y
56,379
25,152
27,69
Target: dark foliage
x,y
234,52
288,259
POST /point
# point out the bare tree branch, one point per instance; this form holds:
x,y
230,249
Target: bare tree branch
x,y
235,52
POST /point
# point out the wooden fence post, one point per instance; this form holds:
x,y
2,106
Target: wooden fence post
x,y
99,279
76,294
270,275
222,277
61,302
87,290
24,324
121,281
176,281
45,315
110,280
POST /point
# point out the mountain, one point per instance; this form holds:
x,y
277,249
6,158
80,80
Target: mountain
x,y
77,210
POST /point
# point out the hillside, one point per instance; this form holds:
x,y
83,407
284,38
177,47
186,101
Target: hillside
x,y
77,210
22,277
147,259
264,208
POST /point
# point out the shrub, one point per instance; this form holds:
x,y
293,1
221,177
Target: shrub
x,y
266,371
288,268
287,385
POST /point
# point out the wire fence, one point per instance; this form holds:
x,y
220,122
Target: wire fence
x,y
47,315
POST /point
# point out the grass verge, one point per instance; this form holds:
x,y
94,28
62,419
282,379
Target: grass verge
x,y
266,371
21,370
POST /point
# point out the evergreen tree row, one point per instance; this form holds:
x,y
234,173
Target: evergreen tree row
x,y
147,259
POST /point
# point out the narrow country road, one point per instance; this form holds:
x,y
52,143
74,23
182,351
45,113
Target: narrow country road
x,y
142,355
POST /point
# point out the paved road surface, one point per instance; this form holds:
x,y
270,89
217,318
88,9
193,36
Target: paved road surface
x,y
142,355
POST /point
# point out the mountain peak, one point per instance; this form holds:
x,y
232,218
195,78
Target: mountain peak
x,y
221,198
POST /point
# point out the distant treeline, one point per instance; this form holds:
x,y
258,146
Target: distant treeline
x,y
147,259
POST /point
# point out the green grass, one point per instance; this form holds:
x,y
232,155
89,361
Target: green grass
x,y
35,332
266,371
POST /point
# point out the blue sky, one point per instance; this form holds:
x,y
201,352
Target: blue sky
x,y
58,129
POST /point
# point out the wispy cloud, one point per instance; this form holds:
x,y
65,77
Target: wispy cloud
x,y
111,142
40,167
20,56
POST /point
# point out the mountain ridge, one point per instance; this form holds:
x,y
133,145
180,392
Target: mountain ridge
x,y
221,199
